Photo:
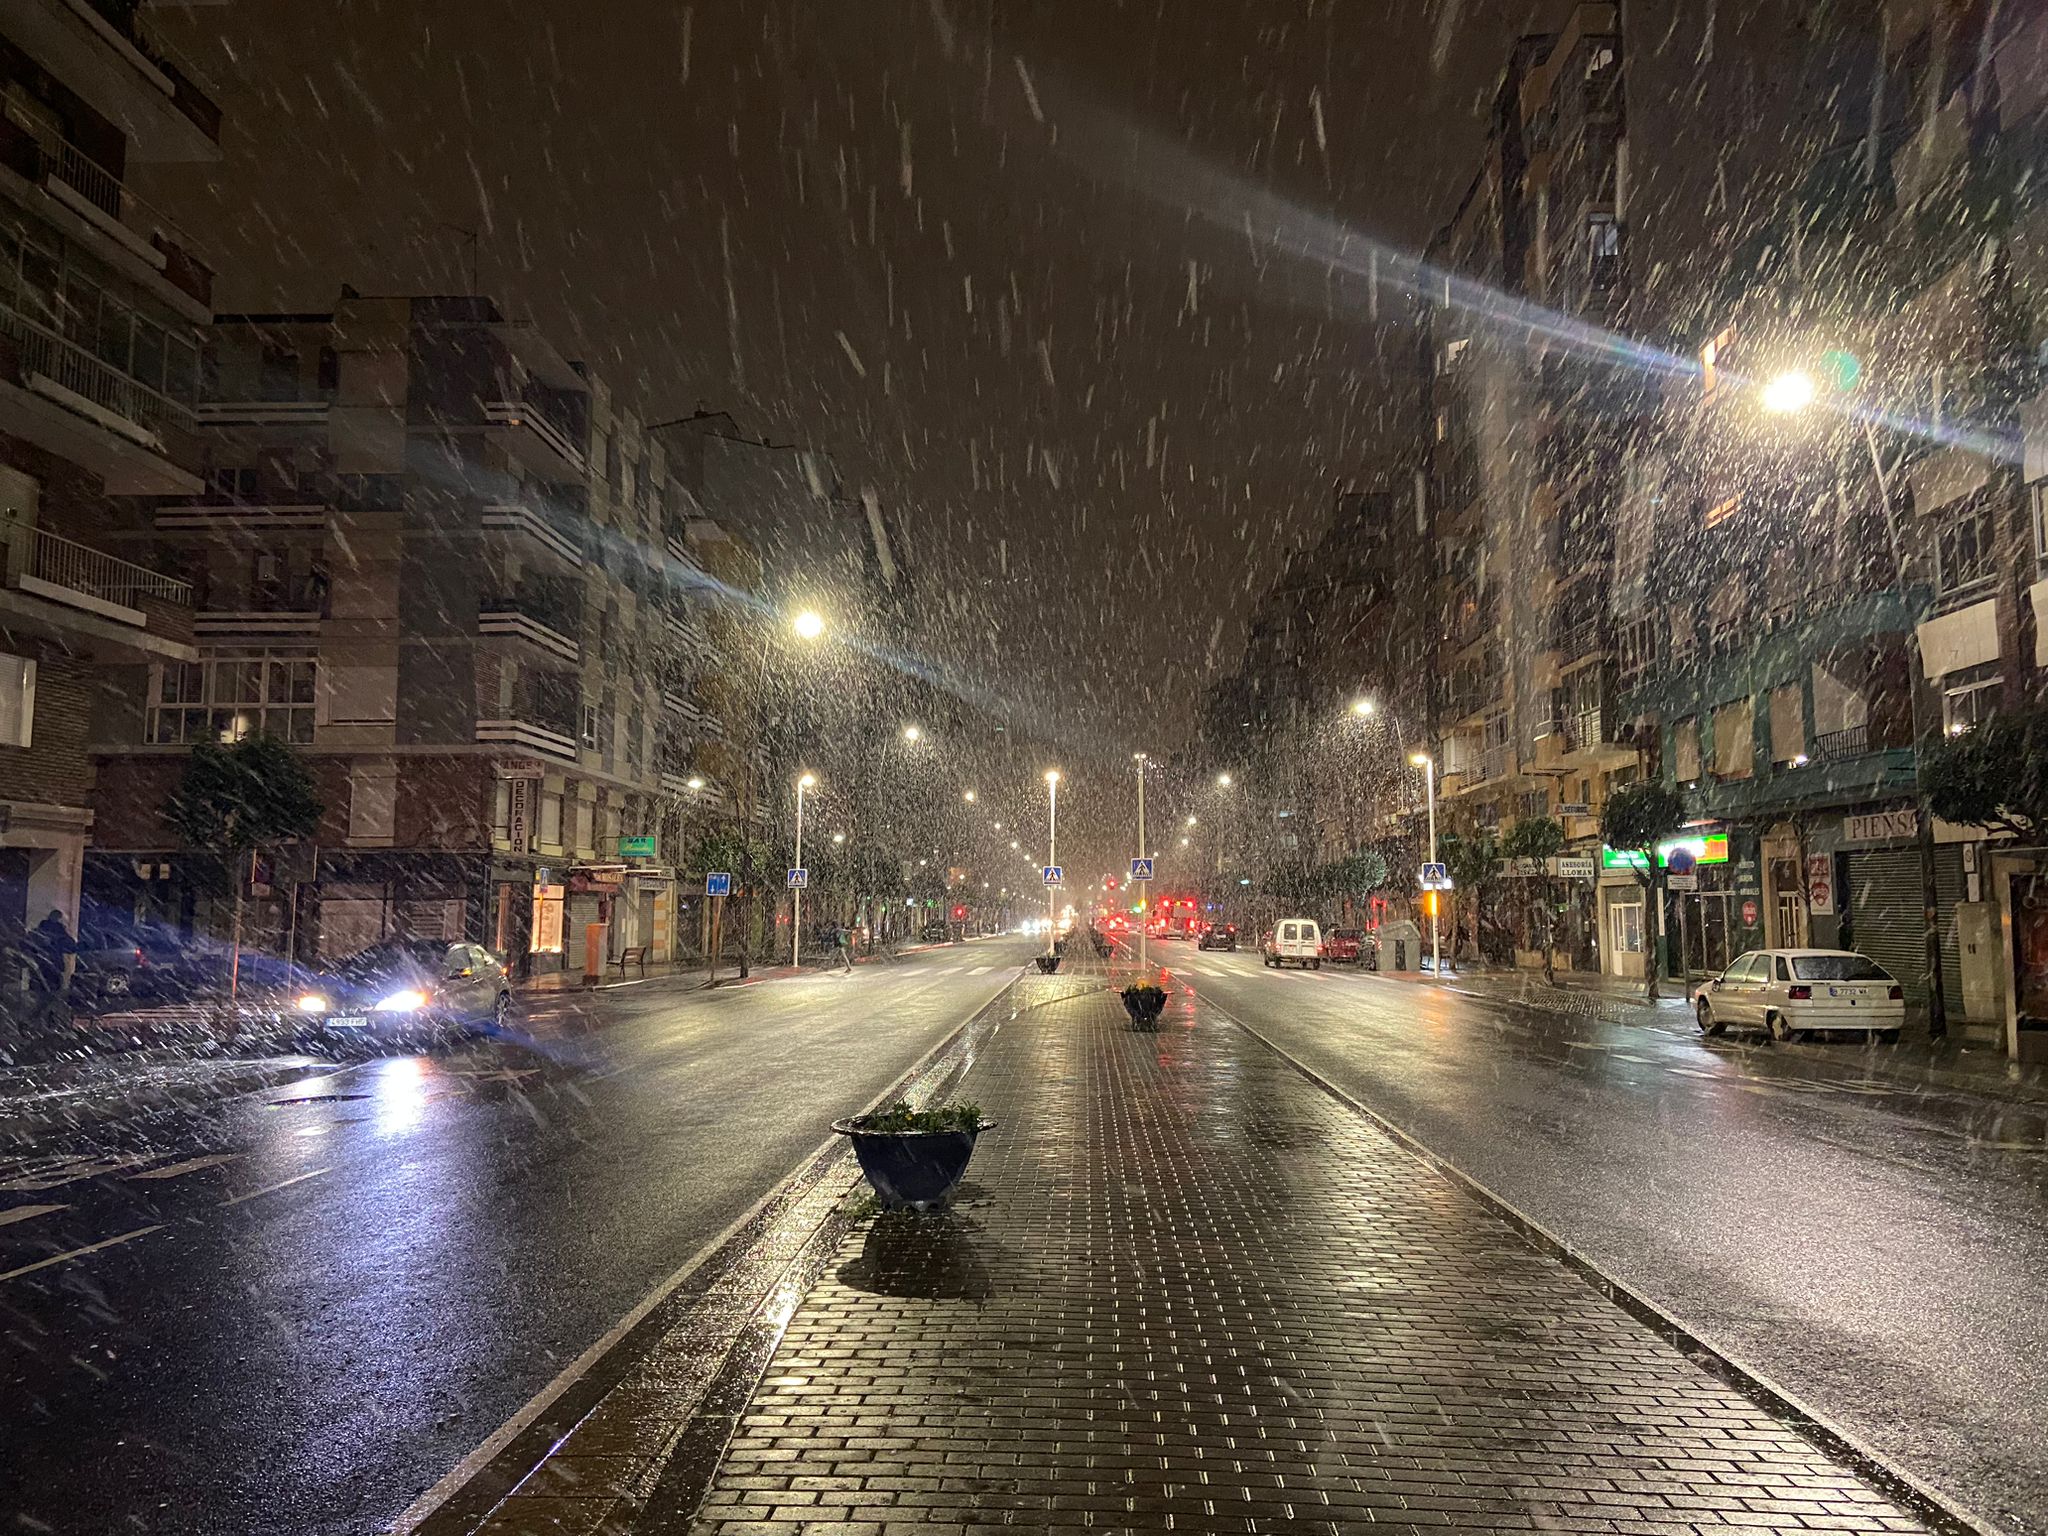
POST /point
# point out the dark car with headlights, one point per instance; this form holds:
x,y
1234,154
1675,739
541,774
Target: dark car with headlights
x,y
407,989
1218,936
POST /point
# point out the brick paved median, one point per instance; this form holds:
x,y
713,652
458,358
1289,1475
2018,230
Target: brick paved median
x,y
1186,1289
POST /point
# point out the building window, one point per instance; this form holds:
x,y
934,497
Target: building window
x,y
17,701
1637,644
1964,547
233,694
2038,493
590,726
1788,725
1969,698
1685,750
1603,240
1734,740
233,484
1625,927
550,821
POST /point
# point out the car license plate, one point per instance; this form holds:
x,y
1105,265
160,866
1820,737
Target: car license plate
x,y
348,1021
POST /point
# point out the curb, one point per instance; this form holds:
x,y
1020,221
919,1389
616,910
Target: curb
x,y
466,1497
1939,1510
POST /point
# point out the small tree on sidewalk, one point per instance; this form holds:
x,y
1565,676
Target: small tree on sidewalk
x,y
1995,776
1538,839
1473,862
1637,818
239,801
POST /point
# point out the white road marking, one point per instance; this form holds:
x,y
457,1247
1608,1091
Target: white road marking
x,y
23,1212
79,1253
70,1171
269,1189
190,1165
977,969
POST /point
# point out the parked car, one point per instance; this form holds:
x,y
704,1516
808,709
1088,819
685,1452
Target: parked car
x,y
409,990
935,932
123,962
1218,936
1345,946
1298,939
1792,992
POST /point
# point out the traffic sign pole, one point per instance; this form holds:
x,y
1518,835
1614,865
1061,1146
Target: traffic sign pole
x,y
1144,917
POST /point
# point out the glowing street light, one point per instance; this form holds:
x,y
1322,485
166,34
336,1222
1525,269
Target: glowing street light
x,y
911,733
808,625
1223,781
1362,707
1788,393
968,796
695,782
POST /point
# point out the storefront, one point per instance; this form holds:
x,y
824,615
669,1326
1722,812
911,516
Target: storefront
x,y
1712,908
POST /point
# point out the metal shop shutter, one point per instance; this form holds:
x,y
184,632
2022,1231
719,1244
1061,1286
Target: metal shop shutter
x,y
1886,914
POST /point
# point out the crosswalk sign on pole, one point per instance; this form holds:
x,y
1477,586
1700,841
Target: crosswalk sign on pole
x,y
1054,875
799,879
1141,869
1436,877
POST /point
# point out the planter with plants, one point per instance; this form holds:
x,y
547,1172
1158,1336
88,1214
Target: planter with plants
x,y
914,1157
1144,1001
1047,964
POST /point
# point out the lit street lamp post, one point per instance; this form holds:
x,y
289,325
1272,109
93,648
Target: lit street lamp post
x,y
1145,917
1427,764
1790,393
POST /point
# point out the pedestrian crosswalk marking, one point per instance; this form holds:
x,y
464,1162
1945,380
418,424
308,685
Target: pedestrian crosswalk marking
x,y
79,1253
24,1212
977,970
190,1165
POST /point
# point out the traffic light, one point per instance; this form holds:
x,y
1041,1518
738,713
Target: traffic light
x,y
959,914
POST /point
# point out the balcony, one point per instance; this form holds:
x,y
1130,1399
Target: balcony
x,y
538,529
538,439
684,629
547,737
63,589
66,401
516,616
292,411
95,48
238,520
271,611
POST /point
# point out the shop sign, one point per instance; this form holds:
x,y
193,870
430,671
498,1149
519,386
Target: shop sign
x,y
1880,827
637,847
519,818
1820,884
1569,868
521,769
1709,849
1574,808
1749,914
1685,882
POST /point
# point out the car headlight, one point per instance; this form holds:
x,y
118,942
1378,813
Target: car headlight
x,y
411,1000
311,1002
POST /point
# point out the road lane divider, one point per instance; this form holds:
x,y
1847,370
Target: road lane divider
x,y
271,1189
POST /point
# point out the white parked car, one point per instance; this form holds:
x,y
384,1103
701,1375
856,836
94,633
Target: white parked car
x,y
1295,938
1790,991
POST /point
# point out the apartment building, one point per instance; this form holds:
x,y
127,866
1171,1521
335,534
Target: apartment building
x,y
102,304
1862,576
443,561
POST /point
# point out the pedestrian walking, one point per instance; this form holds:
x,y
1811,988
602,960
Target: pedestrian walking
x,y
844,937
49,948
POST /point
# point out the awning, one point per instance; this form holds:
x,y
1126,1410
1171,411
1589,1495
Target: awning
x,y
1966,638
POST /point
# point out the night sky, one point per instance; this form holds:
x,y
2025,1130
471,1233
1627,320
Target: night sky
x,y
991,256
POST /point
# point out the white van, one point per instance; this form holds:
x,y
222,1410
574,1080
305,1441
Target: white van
x,y
1297,939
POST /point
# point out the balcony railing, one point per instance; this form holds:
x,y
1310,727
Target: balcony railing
x,y
548,531
1585,730
43,352
55,561
59,164
516,616
1834,746
535,418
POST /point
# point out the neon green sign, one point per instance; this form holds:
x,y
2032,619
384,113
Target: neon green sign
x,y
1710,849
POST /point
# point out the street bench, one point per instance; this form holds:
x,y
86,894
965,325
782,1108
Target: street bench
x,y
634,955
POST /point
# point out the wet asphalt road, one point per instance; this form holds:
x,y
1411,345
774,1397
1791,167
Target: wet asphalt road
x,y
303,1306
1869,1238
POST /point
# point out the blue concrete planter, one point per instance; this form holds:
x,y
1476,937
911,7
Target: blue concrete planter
x,y
912,1168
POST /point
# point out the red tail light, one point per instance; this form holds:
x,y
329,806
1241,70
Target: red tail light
x,y
1799,994
1896,994
140,958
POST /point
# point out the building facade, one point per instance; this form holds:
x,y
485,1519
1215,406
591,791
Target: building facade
x,y
103,301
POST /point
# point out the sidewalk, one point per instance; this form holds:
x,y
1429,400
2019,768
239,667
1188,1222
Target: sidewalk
x,y
1183,1288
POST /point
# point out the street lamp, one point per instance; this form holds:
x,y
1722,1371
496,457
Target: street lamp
x,y
1427,764
968,796
911,733
1790,393
1144,938
808,625
694,782
1362,707
796,892
1223,781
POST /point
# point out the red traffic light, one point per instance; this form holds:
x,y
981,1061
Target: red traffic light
x,y
959,912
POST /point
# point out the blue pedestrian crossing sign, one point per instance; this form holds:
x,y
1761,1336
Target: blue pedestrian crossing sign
x,y
718,884
799,879
1054,875
1141,869
1436,877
